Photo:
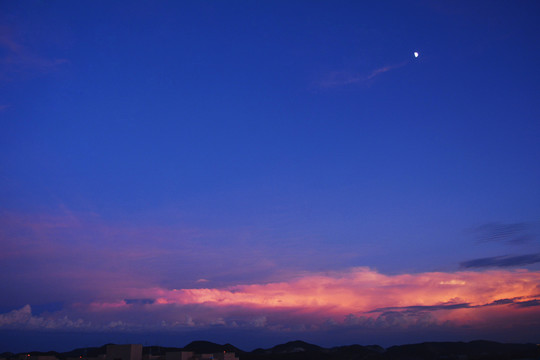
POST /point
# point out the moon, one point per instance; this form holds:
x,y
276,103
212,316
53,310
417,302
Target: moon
x,y
416,54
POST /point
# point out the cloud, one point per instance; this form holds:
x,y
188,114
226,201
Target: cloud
x,y
512,233
528,303
502,261
24,319
338,78
419,308
139,301
99,272
18,58
455,306
359,297
384,69
72,256
335,79
82,256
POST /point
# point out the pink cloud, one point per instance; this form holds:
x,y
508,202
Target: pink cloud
x,y
19,58
354,297
106,274
357,297
362,290
86,255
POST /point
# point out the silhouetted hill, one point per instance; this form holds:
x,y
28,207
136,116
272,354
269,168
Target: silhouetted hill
x,y
300,350
354,352
474,350
159,350
294,347
85,352
44,353
207,347
294,350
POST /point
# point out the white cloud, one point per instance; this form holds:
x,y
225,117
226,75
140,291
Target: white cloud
x,y
23,318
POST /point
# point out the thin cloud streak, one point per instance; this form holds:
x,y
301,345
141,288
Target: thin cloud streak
x,y
502,261
510,233
384,69
337,79
454,306
18,58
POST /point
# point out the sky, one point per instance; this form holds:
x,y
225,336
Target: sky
x,y
256,172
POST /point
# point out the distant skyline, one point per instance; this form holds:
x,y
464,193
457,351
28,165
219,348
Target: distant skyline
x,y
259,172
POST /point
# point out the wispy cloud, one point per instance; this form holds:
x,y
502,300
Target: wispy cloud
x,y
384,69
502,261
336,79
518,301
417,308
510,233
63,248
529,303
18,58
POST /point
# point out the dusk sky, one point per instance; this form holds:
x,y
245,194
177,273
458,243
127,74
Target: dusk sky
x,y
255,172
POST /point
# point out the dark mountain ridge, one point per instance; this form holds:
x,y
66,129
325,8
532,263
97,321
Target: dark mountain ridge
x,y
207,347
300,350
293,347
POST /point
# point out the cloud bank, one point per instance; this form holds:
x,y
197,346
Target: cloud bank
x,y
143,279
357,297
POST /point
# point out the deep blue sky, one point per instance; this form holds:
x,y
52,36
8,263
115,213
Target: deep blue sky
x,y
230,143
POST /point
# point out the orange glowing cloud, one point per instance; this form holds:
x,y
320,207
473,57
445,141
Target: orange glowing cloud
x,y
362,289
354,298
462,297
